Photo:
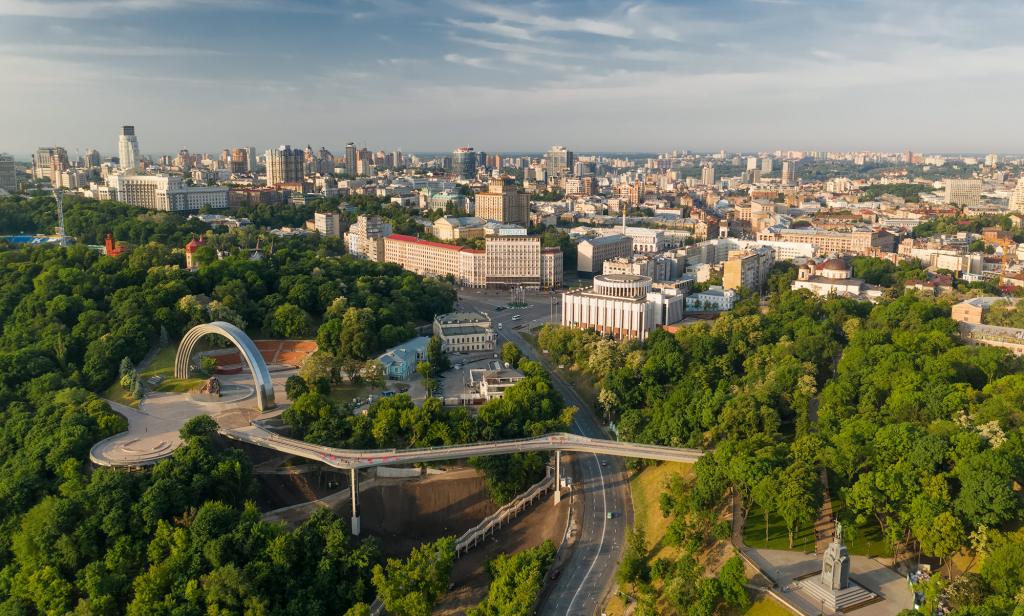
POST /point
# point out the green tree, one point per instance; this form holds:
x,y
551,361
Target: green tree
x,y
632,566
208,365
511,353
733,582
436,356
515,581
198,426
289,321
412,588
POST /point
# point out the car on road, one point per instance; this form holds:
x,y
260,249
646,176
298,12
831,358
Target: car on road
x,y
604,462
517,317
456,353
555,574
499,325
498,308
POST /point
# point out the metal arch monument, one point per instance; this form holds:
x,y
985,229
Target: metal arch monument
x,y
258,367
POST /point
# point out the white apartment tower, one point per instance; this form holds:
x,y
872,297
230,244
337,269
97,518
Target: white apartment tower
x,y
788,173
128,148
1017,197
707,175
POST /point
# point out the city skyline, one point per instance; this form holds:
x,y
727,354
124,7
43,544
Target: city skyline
x,y
597,76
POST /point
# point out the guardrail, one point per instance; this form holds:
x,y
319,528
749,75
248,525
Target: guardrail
x,y
496,519
347,459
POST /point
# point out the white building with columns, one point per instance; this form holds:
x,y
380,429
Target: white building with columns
x,y
625,305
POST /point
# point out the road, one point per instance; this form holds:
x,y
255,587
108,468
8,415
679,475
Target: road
x,y
582,585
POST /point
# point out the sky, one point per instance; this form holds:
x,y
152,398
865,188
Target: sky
x,y
433,75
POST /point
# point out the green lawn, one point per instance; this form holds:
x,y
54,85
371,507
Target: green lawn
x,y
163,365
345,393
778,536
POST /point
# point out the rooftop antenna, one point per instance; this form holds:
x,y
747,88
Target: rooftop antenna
x,y
61,238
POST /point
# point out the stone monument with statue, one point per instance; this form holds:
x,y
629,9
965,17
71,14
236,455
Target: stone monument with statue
x,y
833,587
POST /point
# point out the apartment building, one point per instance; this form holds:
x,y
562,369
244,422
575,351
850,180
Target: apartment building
x,y
966,192
8,176
465,331
327,223
364,239
504,202
830,241
164,192
284,165
625,306
748,268
550,268
592,253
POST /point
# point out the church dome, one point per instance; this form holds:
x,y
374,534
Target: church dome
x,y
835,265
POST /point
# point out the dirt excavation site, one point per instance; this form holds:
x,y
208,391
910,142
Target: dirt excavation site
x,y
405,512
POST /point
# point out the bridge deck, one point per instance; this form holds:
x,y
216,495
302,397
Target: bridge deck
x,y
558,441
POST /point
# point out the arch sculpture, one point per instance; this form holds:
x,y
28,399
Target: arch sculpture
x,y
258,367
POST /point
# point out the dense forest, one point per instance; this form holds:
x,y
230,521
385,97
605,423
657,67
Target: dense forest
x,y
182,538
920,433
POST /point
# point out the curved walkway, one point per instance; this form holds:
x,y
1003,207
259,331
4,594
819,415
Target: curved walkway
x,y
559,441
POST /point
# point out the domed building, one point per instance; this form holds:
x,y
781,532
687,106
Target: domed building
x,y
834,276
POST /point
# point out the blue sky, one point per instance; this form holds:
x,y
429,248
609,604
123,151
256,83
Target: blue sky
x,y
743,75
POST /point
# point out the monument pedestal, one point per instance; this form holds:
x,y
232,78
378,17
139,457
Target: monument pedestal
x,y
832,587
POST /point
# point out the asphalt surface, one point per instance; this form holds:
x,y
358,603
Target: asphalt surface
x,y
604,489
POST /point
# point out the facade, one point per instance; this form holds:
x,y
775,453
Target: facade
x,y
450,228
191,262
8,177
128,148
766,165
400,361
625,306
164,192
364,239
239,160
465,331
974,310
788,173
327,223
350,158
592,253
748,268
284,165
707,175
513,261
434,200
1017,197
715,298
508,261
963,192
550,268
504,202
491,384
559,162
828,241
646,240
464,163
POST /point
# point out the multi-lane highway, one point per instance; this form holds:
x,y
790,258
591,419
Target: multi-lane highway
x,y
604,489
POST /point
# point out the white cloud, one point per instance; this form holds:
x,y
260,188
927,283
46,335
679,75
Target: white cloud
x,y
460,59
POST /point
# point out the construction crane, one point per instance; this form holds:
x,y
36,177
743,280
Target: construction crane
x,y
61,238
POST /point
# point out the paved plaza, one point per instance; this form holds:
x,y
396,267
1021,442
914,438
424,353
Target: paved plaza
x,y
153,428
869,573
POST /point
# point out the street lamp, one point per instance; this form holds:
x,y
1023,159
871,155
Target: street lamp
x,y
869,550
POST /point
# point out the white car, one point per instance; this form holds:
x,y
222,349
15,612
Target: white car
x,y
517,317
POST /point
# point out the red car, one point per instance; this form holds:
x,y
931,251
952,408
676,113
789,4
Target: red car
x,y
555,574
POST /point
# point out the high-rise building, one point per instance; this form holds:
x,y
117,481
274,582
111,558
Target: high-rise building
x,y
707,175
397,156
559,162
464,163
504,202
350,158
41,161
250,160
766,165
1017,197
8,177
93,158
239,160
751,163
327,223
128,148
966,192
59,163
789,173
284,165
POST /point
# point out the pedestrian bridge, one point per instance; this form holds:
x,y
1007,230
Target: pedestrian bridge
x,y
557,441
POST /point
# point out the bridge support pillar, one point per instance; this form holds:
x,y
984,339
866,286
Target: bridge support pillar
x,y
558,477
355,501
